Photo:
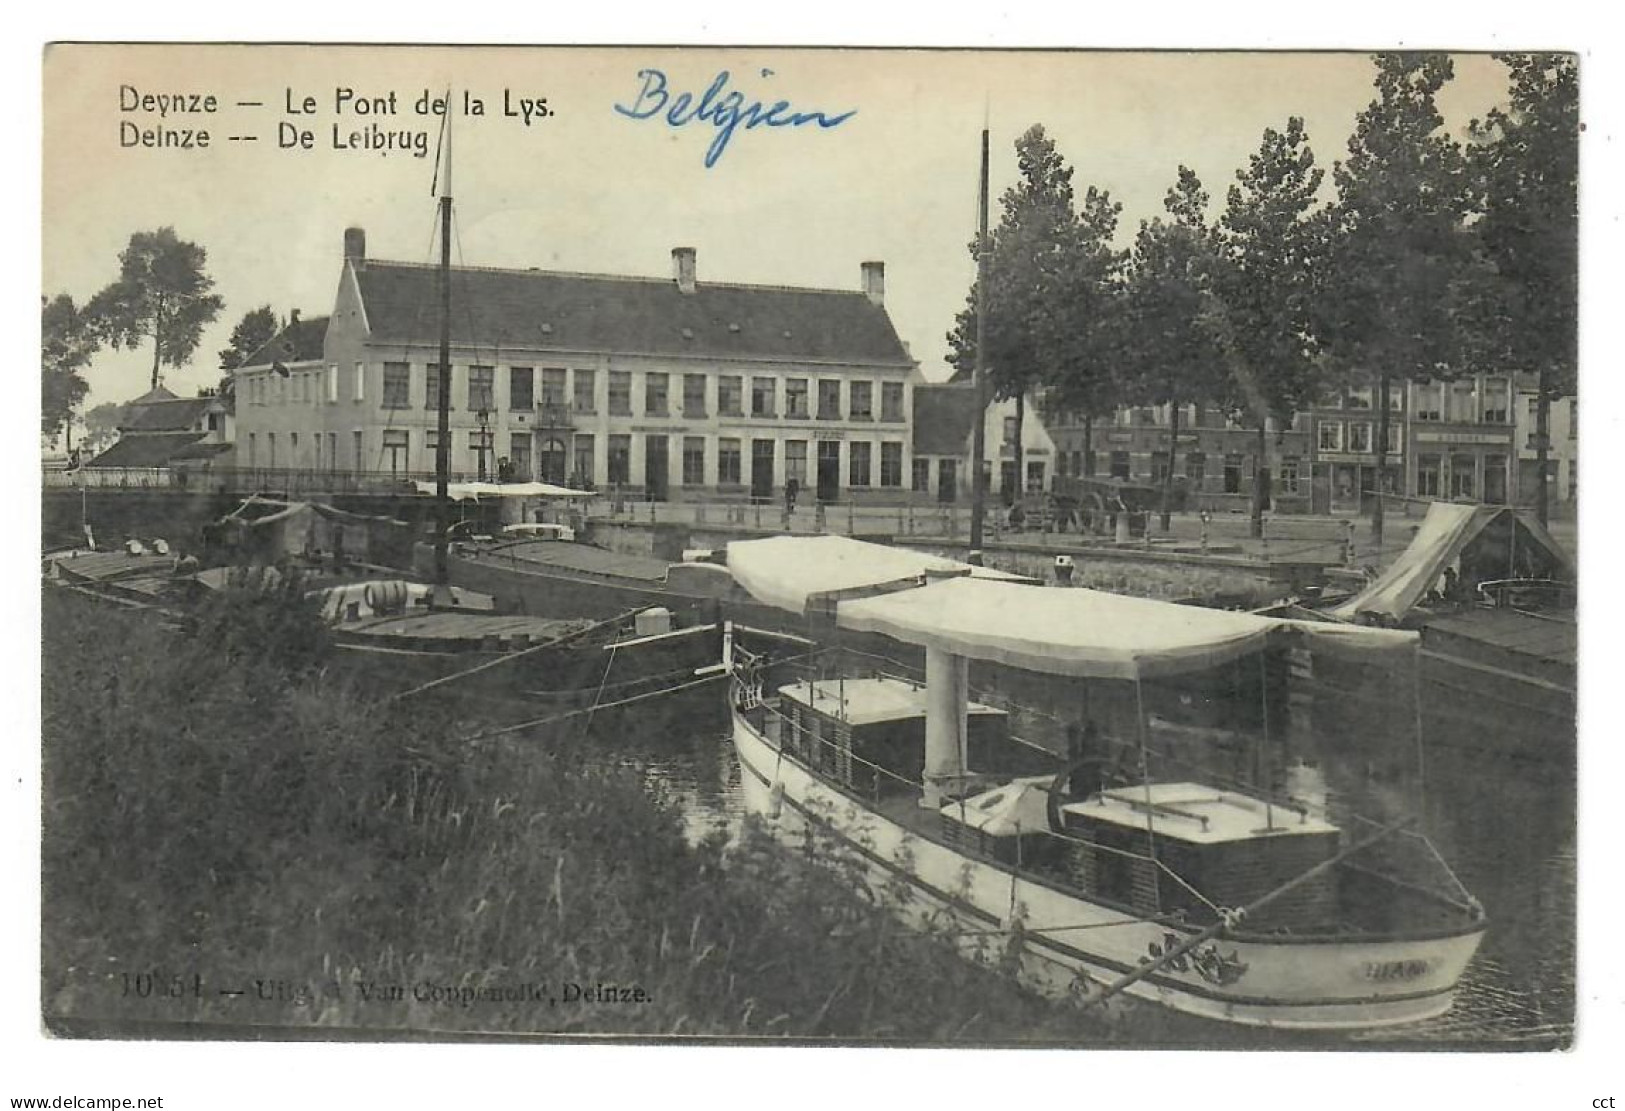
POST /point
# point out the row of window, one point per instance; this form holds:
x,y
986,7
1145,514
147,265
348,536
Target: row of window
x,y
1355,436
307,387
522,457
579,389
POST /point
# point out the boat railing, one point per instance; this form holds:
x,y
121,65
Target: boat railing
x,y
834,755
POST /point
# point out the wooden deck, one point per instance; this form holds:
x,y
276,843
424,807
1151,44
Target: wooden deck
x,y
462,627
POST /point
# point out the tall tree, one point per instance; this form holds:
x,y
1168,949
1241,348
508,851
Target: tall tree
x,y
1177,360
1087,328
1028,262
162,294
1400,258
252,332
1525,168
1273,249
69,338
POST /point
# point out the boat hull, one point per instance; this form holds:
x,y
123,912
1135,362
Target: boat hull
x,y
1070,946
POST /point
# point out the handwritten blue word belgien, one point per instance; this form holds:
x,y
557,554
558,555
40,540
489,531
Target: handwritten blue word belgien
x,y
723,108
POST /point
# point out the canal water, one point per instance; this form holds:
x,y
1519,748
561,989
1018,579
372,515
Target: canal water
x,y
1506,828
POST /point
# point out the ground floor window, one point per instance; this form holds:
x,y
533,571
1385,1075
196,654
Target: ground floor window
x,y
1089,462
1232,473
857,463
922,476
1195,469
584,470
397,446
1120,465
891,464
728,462
1574,478
1462,476
1035,475
795,462
693,460
1160,465
1427,476
620,460
1289,474
519,455
360,451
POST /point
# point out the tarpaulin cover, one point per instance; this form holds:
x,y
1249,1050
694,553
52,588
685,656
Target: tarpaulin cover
x,y
1086,633
1441,538
459,491
790,571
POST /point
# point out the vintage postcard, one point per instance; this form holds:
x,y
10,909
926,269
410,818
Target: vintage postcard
x,y
783,546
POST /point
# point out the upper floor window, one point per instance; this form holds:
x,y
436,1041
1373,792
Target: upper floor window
x,y
397,385
730,396
521,388
862,401
891,401
829,399
655,394
481,388
620,396
431,388
586,391
693,395
1330,435
553,384
764,395
795,397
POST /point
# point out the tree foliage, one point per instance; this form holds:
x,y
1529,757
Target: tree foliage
x,y
68,341
1399,256
1273,246
1175,360
1524,163
252,332
163,294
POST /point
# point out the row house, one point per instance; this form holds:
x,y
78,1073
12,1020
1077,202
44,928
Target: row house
x,y
1214,463
944,428
1562,446
648,387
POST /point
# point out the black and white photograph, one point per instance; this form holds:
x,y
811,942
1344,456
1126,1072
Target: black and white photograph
x,y
714,548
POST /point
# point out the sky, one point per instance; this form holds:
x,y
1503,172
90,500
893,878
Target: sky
x,y
594,189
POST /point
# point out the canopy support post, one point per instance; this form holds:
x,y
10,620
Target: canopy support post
x,y
947,683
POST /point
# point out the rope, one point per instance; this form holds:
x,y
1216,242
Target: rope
x,y
537,723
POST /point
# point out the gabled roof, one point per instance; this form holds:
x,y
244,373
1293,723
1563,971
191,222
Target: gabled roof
x,y
602,313
944,417
153,449
178,414
300,341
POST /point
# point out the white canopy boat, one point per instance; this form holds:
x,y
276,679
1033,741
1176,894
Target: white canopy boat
x,y
1217,900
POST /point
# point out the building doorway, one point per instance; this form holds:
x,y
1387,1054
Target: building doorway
x,y
947,480
829,470
552,461
656,465
761,470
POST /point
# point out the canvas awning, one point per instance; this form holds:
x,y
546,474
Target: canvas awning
x,y
792,571
1443,535
460,491
1086,633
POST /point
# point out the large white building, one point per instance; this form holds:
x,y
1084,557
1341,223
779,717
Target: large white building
x,y
658,388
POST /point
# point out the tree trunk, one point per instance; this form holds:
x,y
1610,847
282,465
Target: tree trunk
x,y
1382,459
1168,475
1021,417
1543,444
157,338
1261,478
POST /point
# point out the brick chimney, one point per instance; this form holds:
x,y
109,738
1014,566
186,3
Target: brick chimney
x,y
682,268
355,246
874,282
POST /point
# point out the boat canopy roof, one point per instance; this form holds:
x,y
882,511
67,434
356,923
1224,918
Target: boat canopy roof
x,y
1447,533
460,491
1087,633
793,572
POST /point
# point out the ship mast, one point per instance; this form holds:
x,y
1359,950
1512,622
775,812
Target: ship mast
x,y
442,451
979,373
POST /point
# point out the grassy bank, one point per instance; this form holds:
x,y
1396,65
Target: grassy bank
x,y
221,814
